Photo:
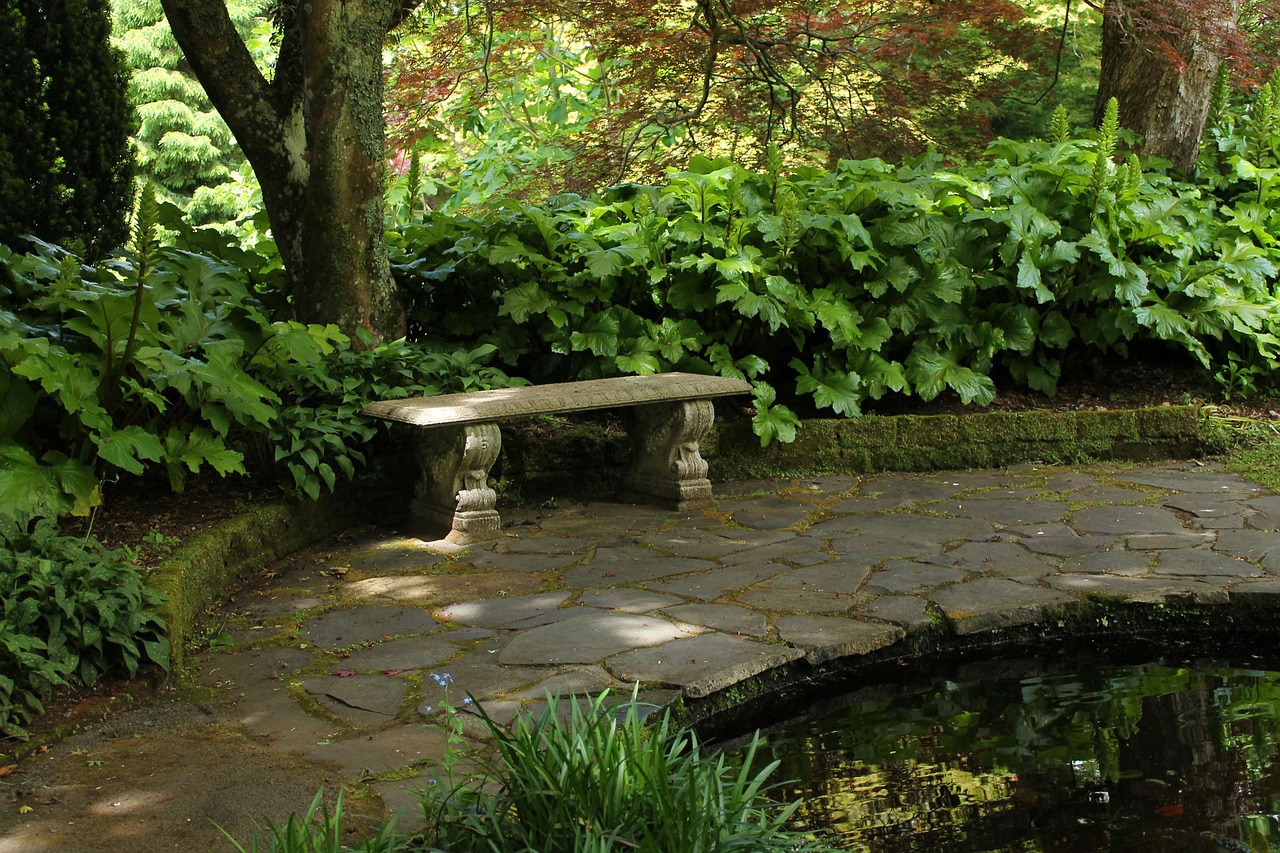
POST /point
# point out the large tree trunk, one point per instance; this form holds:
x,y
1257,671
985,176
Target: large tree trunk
x,y
314,136
1159,60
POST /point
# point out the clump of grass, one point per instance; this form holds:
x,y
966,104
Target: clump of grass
x,y
585,778
600,779
1256,454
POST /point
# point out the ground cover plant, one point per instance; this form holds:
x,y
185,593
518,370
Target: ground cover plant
x,y
582,777
70,612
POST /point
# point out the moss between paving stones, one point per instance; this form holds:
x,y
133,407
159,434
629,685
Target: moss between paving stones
x,y
535,454
204,569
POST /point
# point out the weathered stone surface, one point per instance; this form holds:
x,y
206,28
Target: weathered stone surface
x,y
775,600
870,550
1007,559
588,680
1125,520
1205,480
893,487
477,674
497,612
984,604
1264,513
359,699
269,606
502,403
393,556
251,666
274,717
900,576
909,529
859,504
1167,541
1254,545
439,589
1202,561
832,577
1111,563
1005,511
1108,495
1257,592
909,611
365,755
773,519
548,545
1140,590
1064,543
1207,506
628,600
407,653
356,625
724,544
825,638
721,617
713,584
590,638
1068,481
527,563
700,665
627,566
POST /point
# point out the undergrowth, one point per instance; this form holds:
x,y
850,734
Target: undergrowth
x,y
71,611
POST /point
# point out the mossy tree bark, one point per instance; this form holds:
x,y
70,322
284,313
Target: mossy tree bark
x,y
1160,60
314,136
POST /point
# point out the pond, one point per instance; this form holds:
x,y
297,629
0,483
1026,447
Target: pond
x,y
1016,756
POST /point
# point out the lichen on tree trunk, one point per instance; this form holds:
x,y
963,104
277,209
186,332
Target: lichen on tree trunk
x,y
314,136
1160,63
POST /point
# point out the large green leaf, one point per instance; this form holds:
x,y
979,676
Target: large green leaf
x,y
129,447
931,372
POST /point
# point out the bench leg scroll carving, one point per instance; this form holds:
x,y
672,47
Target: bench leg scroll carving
x,y
453,492
668,469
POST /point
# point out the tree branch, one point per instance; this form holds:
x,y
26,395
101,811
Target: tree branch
x,y
224,66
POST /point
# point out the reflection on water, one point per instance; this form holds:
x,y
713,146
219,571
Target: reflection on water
x,y
1132,758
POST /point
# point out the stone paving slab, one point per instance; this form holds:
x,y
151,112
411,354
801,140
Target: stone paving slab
x,y
825,638
579,598
700,665
356,625
985,604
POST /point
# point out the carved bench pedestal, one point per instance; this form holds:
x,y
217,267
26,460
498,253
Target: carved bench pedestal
x,y
668,469
453,490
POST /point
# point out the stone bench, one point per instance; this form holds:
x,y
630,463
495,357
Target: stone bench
x,y
459,441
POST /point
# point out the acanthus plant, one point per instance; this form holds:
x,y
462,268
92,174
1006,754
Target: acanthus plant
x,y
869,279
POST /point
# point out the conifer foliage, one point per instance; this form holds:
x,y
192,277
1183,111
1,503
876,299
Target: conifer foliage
x,y
65,164
182,144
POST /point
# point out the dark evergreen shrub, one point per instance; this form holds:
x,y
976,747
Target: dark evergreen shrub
x,y
65,161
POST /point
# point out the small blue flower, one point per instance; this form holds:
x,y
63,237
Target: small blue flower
x,y
442,679
466,701
429,709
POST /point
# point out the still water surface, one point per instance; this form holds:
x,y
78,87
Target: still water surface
x,y
1156,757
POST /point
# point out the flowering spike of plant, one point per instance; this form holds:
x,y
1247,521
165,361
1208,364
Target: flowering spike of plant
x,y
1060,128
1103,168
